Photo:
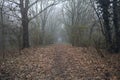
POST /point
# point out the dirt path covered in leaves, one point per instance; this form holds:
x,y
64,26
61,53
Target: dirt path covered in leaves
x,y
61,62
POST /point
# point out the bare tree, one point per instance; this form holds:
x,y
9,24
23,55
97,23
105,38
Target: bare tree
x,y
78,15
23,6
44,18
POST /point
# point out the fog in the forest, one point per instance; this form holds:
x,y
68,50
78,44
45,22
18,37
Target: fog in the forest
x,y
27,23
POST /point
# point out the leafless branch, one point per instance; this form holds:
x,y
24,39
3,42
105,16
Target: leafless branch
x,y
32,4
13,2
42,11
15,15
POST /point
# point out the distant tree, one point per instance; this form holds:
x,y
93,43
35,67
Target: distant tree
x,y
77,18
44,19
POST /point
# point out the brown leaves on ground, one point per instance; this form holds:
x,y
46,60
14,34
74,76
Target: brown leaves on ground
x,y
61,62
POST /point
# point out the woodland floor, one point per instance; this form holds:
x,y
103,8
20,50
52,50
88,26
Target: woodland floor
x,y
61,62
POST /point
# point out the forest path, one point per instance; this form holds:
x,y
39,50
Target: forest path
x,y
58,62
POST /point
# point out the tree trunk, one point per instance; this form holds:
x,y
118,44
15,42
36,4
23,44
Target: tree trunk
x,y
108,34
25,34
25,24
43,32
3,33
116,25
43,35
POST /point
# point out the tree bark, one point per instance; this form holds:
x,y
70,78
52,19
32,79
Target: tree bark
x,y
25,24
3,33
25,35
108,34
116,26
104,5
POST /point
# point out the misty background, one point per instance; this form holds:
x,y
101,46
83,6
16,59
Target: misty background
x,y
29,23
